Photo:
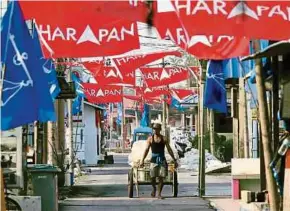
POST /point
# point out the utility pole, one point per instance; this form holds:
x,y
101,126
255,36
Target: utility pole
x,y
201,179
264,120
211,131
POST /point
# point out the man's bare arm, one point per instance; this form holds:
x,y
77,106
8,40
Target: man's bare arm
x,y
148,144
169,150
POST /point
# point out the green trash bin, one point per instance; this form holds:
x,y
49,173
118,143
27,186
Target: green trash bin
x,y
44,184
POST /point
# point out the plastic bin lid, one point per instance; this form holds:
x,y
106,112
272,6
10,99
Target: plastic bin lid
x,y
44,168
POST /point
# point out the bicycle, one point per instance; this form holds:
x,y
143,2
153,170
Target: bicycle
x,y
10,203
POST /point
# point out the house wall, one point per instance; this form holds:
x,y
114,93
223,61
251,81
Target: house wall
x,y
90,136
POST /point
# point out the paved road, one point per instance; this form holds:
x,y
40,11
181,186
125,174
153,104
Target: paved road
x,y
106,189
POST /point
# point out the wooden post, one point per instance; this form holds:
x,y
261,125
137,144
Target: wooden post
x,y
286,193
264,120
50,142
241,117
211,130
234,113
244,119
163,115
2,199
201,185
275,99
60,125
45,144
167,114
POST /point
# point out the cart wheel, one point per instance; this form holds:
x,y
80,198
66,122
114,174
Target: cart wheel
x,y
130,183
175,184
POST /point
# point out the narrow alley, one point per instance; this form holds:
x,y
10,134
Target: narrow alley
x,y
105,188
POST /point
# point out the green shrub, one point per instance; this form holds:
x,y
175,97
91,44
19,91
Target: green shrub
x,y
223,147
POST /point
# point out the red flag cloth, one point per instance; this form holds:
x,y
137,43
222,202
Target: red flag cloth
x,y
164,76
133,62
109,75
252,19
85,38
103,94
52,10
155,92
94,67
132,97
203,47
182,93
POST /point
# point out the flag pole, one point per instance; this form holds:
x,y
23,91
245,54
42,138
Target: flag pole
x,y
123,123
70,130
201,150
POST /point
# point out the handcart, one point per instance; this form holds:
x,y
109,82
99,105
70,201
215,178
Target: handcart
x,y
141,176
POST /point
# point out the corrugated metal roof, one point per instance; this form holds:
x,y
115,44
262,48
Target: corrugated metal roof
x,y
276,49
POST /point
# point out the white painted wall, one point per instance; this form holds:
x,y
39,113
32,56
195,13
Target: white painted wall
x,y
90,135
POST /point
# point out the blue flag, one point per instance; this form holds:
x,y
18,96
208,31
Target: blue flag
x,y
77,102
145,116
48,68
119,113
25,94
215,96
176,104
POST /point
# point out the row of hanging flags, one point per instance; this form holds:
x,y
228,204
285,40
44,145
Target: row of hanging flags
x,y
212,29
72,29
114,94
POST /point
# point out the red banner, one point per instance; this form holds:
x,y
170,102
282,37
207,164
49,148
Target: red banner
x,y
133,62
155,92
210,47
93,67
203,47
133,10
253,19
88,38
103,94
164,76
182,93
108,75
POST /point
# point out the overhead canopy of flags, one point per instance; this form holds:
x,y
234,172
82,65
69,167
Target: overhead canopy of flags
x,y
68,29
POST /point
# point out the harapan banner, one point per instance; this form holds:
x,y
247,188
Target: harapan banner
x,y
201,46
210,47
85,38
164,76
93,67
252,19
103,94
133,10
182,93
133,62
110,75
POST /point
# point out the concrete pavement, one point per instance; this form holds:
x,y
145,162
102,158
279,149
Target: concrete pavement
x,y
106,189
142,204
